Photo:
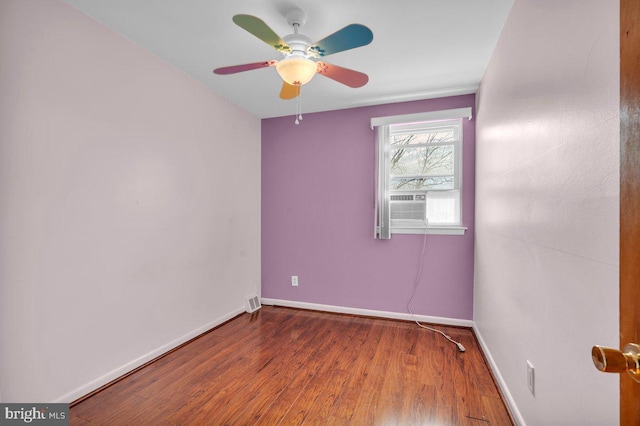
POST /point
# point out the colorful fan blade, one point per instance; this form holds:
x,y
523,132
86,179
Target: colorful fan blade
x,y
345,76
258,28
289,91
350,37
245,67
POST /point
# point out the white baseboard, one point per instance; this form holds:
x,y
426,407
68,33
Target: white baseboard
x,y
368,312
130,366
511,404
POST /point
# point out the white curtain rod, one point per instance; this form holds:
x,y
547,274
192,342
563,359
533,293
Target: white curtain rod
x,y
447,114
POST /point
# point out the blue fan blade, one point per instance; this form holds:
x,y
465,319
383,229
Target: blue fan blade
x,y
350,37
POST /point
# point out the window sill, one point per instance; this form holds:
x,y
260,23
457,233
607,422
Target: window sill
x,y
431,230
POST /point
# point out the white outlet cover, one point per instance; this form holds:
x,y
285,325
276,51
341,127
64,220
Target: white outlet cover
x,y
531,377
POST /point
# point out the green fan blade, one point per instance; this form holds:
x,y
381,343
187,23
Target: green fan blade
x,y
258,28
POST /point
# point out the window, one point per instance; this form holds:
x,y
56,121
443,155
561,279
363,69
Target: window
x,y
424,178
419,167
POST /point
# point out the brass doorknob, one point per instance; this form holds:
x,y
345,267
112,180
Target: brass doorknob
x,y
614,361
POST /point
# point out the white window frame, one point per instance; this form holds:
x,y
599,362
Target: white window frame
x,y
386,126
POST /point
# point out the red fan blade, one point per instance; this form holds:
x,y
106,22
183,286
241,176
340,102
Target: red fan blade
x,y
245,67
345,76
289,91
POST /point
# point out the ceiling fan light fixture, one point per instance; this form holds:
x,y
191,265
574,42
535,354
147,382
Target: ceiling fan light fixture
x,y
296,71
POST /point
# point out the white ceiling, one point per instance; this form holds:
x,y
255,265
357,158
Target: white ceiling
x,y
421,48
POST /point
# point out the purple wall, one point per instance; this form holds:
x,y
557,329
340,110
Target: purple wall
x,y
317,219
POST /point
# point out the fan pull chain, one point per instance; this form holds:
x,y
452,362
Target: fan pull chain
x,y
299,107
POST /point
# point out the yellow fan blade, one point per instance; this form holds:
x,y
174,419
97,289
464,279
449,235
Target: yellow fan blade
x,y
289,91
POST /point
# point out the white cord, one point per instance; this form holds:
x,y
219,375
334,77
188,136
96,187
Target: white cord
x,y
415,288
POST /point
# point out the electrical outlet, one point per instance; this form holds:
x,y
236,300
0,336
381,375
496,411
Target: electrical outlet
x,y
531,377
294,280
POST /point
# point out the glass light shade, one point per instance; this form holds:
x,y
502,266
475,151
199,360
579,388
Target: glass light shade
x,y
296,71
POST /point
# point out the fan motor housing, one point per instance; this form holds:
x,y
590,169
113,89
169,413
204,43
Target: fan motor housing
x,y
298,43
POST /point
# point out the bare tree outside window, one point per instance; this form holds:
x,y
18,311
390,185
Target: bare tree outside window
x,y
423,161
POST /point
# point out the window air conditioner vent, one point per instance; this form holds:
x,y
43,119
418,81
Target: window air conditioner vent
x,y
403,197
408,207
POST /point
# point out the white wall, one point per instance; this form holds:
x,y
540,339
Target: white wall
x,y
129,204
546,274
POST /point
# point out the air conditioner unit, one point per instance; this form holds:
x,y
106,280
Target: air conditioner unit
x,y
408,208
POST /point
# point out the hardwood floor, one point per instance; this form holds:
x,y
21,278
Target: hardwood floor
x,y
293,367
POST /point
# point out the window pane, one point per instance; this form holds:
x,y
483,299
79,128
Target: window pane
x,y
442,135
417,183
443,208
433,160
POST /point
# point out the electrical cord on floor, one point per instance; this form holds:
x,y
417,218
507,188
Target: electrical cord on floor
x,y
415,288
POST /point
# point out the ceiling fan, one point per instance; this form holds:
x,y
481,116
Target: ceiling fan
x,y
300,62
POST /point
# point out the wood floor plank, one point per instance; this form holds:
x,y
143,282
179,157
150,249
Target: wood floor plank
x,y
373,391
325,405
288,366
496,411
329,361
294,371
235,389
469,399
300,372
